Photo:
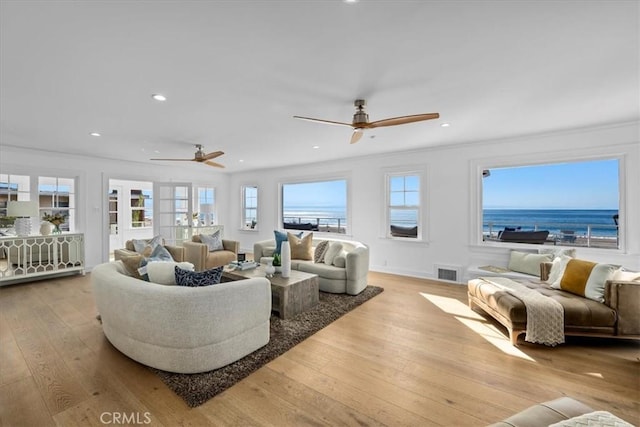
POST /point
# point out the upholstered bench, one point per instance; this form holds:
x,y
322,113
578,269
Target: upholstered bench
x,y
618,316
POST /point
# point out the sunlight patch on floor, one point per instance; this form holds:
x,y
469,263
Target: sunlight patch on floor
x,y
476,323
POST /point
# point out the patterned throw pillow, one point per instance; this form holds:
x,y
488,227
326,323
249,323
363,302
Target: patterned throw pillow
x,y
587,278
301,248
146,246
213,242
321,249
198,278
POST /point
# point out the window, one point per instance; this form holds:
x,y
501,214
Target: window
x,y
571,203
403,205
250,207
316,206
113,211
204,206
13,188
141,203
57,196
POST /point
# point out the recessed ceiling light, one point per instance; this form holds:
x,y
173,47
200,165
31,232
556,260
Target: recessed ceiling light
x,y
351,1
159,97
445,125
240,161
315,147
94,134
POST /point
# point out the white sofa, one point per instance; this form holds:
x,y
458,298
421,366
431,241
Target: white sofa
x,y
181,329
350,279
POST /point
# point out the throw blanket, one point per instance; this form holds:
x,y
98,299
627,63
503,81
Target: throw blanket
x,y
597,418
545,316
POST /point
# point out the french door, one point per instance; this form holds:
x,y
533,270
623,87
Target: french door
x,y
173,216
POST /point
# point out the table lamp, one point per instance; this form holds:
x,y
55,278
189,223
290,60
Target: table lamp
x,y
23,211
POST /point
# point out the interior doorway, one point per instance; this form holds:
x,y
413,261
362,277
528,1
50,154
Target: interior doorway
x,y
130,205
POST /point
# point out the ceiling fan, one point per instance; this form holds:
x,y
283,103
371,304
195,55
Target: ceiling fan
x,y
361,120
201,157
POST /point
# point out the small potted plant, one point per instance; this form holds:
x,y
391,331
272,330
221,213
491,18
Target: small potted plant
x,y
277,262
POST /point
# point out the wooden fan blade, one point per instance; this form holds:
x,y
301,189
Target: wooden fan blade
x,y
214,164
176,160
401,120
357,134
212,155
329,122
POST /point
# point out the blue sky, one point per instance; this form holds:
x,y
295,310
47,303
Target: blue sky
x,y
327,193
580,185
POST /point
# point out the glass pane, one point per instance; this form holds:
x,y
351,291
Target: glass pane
x,y
412,183
396,183
576,203
396,199
412,198
404,217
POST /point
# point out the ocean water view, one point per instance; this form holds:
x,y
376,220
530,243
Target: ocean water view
x,y
333,216
596,222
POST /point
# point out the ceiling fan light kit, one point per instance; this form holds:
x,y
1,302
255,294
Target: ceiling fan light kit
x,y
361,120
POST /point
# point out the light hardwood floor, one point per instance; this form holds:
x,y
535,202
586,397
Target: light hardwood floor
x,y
414,355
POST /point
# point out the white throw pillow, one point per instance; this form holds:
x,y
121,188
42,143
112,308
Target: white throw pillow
x,y
213,242
332,252
163,273
623,275
556,252
341,259
528,263
557,270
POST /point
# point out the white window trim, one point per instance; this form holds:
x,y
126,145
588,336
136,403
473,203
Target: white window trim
x,y
422,172
475,185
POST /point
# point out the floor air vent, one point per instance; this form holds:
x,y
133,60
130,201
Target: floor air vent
x,y
448,273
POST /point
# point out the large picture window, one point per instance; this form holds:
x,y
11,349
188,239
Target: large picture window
x,y
315,206
570,204
250,207
403,205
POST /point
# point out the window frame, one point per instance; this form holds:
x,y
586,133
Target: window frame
x,y
243,213
317,179
477,166
421,207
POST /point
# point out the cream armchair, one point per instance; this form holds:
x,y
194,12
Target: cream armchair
x,y
198,254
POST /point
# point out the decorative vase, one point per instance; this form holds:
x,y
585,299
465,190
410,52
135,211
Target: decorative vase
x,y
269,269
46,228
285,253
56,229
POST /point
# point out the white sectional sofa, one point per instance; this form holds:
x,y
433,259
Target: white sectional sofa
x,y
350,279
181,329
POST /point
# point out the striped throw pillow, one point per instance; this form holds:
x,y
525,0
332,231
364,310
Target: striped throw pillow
x,y
586,278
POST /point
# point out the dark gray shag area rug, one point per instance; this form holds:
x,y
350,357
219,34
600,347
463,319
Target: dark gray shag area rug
x,y
196,389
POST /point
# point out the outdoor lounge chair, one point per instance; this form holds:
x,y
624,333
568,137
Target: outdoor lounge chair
x,y
537,237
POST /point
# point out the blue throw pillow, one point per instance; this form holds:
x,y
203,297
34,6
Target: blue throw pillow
x,y
198,278
282,237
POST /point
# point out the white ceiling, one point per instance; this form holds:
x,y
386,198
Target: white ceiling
x,y
236,72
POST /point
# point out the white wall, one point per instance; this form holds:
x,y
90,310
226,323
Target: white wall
x,y
453,180
452,196
93,178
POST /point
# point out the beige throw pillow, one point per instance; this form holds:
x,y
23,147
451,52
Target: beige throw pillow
x,y
301,248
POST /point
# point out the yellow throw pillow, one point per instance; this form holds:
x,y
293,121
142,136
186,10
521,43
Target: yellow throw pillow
x,y
301,248
586,278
